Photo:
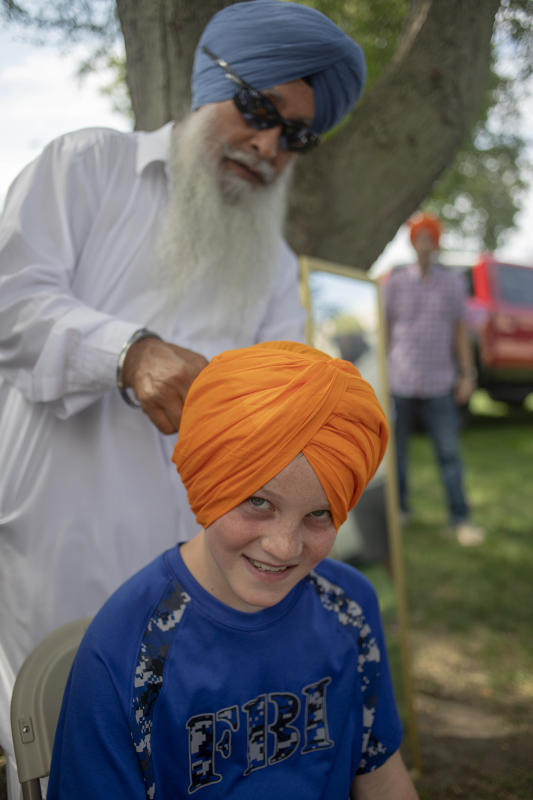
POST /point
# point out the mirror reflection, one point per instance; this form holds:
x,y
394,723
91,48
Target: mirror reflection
x,y
345,320
345,323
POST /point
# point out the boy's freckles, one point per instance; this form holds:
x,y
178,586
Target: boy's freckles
x,y
251,557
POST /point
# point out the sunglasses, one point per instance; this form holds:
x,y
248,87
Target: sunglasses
x,y
261,113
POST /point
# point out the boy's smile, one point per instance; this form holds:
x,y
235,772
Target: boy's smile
x,y
251,557
265,567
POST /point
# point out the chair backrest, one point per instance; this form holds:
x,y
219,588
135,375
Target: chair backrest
x,y
36,702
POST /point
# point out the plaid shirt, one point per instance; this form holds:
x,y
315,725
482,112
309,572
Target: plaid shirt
x,y
421,317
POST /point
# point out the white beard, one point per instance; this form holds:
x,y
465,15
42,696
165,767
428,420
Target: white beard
x,y
219,229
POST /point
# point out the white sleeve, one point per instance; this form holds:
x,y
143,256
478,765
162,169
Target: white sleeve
x,y
285,317
53,347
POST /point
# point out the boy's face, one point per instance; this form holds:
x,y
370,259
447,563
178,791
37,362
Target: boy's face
x,y
257,552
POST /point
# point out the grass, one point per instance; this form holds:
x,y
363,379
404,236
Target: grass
x,y
470,612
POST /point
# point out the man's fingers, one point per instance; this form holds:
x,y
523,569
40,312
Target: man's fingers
x,y
167,393
164,422
165,381
196,361
163,402
161,374
171,407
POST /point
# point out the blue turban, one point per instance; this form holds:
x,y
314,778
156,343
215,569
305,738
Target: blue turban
x,y
269,42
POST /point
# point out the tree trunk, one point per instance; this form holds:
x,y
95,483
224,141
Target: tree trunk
x,y
351,194
160,37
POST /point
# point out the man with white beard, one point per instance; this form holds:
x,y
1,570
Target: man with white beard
x,y
127,261
220,223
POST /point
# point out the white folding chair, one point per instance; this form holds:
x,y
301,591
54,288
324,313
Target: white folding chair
x,y
36,702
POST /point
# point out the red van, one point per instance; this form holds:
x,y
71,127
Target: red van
x,y
501,320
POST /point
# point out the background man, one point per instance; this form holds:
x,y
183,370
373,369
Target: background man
x,y
430,362
111,238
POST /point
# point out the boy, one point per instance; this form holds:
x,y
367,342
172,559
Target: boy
x,y
242,664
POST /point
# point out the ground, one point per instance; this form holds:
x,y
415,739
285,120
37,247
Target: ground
x,y
472,745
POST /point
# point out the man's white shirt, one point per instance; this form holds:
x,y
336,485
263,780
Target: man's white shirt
x,y
76,240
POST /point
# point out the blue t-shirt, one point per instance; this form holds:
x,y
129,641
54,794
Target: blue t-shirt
x,y
173,694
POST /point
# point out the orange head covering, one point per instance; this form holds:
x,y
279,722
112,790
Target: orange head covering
x,y
425,222
251,411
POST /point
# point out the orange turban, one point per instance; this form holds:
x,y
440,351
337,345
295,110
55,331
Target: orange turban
x,y
425,222
251,411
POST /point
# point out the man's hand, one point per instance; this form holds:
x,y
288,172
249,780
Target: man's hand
x,y
467,380
160,374
464,388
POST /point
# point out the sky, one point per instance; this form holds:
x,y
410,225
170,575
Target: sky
x,y
41,98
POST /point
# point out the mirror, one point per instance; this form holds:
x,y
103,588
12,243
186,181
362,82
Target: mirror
x,y
345,320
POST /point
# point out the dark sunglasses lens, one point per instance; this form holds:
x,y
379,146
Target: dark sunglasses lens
x,y
257,109
300,138
261,114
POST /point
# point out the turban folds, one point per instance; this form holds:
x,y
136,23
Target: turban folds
x,y
251,411
269,42
425,222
